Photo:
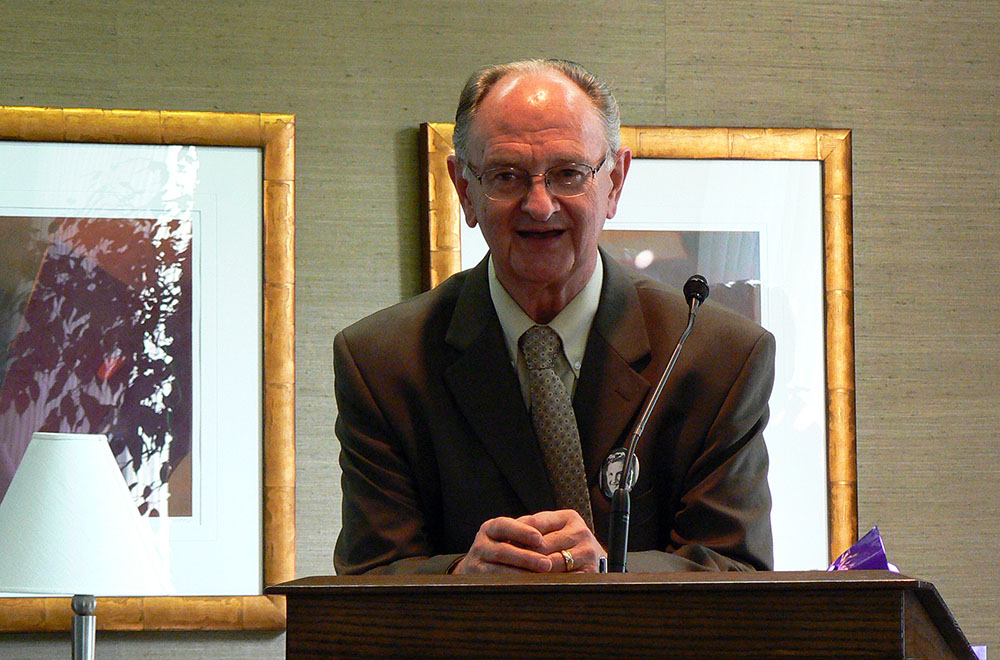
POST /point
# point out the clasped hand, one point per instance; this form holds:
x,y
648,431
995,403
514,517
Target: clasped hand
x,y
533,544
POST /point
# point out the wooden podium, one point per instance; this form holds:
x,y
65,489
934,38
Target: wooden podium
x,y
846,614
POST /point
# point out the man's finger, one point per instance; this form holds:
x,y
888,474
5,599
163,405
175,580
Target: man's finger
x,y
516,532
505,542
547,522
506,554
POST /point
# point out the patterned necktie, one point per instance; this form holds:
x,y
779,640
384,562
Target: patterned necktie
x,y
554,421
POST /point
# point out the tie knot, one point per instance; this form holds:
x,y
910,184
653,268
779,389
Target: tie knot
x,y
540,345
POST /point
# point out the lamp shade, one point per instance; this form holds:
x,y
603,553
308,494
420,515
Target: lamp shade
x,y
68,524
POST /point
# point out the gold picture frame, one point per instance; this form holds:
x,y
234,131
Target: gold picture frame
x,y
831,148
274,134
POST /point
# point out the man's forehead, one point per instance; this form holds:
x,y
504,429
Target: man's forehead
x,y
540,104
536,88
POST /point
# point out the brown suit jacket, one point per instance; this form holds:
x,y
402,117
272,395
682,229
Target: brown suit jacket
x,y
435,438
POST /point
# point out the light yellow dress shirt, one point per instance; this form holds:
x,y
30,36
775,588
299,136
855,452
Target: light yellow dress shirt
x,y
572,323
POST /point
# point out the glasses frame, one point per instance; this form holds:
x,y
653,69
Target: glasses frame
x,y
529,177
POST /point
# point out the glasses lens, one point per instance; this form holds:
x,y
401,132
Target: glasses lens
x,y
504,183
568,180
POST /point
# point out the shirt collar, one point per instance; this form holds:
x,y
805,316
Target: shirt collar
x,y
572,323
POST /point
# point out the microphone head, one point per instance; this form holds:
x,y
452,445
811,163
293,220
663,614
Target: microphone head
x,y
696,288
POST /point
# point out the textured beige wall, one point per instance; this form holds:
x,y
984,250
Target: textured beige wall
x,y
916,82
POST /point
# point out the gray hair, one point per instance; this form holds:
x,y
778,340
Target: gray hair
x,y
483,80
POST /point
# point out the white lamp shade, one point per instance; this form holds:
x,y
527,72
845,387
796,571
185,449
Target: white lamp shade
x,y
68,524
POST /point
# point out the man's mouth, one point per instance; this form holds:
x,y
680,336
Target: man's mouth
x,y
541,235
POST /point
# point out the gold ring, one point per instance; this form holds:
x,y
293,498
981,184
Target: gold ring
x,y
568,558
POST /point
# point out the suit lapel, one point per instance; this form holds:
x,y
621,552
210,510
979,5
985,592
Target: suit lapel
x,y
610,388
488,394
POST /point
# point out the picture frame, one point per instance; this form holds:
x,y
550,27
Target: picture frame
x,y
830,150
273,136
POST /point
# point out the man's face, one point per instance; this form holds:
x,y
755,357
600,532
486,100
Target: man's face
x,y
540,242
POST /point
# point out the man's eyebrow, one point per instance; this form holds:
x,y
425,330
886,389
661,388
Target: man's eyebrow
x,y
491,163
518,163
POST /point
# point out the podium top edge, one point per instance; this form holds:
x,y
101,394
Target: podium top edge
x,y
667,581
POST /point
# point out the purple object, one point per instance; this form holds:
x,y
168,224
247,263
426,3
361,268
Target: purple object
x,y
868,554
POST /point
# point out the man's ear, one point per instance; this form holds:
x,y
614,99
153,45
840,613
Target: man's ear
x,y
457,174
618,174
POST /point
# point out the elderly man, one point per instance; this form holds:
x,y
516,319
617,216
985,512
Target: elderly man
x,y
476,419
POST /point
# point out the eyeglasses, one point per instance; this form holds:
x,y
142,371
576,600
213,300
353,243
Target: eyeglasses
x,y
505,184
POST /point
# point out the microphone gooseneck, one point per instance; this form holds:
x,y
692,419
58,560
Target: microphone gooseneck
x,y
695,292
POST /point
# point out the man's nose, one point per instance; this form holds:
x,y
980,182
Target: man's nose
x,y
538,202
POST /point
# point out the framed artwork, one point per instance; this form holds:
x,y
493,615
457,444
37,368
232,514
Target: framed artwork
x,y
765,215
147,293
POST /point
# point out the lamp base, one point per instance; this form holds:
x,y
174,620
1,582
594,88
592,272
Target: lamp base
x,y
84,627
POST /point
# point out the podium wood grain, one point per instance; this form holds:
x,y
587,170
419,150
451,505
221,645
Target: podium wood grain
x,y
858,614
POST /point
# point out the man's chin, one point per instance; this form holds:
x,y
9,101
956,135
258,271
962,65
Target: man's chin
x,y
544,272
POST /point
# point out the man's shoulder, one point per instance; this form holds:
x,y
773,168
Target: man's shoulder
x,y
661,302
430,308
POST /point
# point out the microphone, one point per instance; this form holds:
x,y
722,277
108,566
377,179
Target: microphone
x,y
697,288
695,292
